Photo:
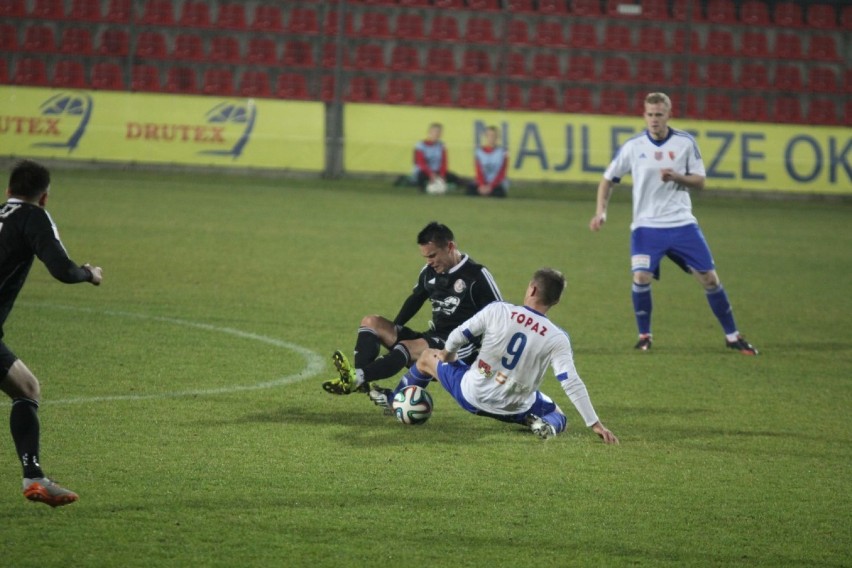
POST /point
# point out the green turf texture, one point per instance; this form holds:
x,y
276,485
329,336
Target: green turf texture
x,y
725,460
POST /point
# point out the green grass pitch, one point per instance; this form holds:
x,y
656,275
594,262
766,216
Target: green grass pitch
x,y
159,409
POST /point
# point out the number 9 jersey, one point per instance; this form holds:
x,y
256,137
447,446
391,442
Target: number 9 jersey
x,y
518,344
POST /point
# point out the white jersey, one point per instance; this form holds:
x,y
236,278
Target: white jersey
x,y
518,344
657,203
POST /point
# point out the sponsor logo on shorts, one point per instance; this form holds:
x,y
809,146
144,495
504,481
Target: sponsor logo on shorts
x,y
640,262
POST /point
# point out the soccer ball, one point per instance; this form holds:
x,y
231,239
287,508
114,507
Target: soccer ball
x,y
436,187
412,405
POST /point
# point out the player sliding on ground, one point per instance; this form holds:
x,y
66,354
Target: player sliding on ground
x,y
27,231
665,164
456,286
518,344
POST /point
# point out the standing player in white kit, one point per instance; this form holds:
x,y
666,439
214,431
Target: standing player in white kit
x,y
518,344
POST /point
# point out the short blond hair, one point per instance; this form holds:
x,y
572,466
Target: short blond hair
x,y
658,98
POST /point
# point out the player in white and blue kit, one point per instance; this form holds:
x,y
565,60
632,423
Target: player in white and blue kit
x,y
518,344
665,164
491,162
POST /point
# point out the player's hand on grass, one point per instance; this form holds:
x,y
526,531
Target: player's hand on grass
x,y
597,222
97,273
602,431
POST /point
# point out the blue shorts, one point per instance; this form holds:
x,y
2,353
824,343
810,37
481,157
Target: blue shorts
x,y
685,246
450,375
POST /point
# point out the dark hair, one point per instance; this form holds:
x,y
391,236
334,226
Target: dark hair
x,y
550,284
28,180
436,233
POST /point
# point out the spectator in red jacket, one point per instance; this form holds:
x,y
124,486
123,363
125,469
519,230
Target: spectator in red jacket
x,y
491,161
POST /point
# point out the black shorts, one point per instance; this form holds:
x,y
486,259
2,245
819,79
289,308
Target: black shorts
x,y
436,342
7,359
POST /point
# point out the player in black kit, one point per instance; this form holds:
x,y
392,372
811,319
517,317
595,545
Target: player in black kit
x,y
27,231
457,287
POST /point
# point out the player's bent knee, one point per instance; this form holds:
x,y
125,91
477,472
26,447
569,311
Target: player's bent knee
x,y
708,279
642,278
372,321
20,382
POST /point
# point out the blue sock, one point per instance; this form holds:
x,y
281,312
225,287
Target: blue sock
x,y
556,419
642,306
412,377
718,300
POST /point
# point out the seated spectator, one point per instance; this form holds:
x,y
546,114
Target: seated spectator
x,y
491,161
430,161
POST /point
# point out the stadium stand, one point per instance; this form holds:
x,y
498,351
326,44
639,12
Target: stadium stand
x,y
107,76
69,74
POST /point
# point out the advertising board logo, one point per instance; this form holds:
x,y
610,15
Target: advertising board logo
x,y
241,116
60,121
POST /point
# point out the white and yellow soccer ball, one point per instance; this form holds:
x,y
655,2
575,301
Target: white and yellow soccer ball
x,y
412,405
437,186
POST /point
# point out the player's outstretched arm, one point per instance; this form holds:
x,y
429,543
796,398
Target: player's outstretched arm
x,y
602,431
604,193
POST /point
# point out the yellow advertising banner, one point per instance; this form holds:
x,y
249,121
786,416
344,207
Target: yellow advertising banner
x,y
577,148
162,129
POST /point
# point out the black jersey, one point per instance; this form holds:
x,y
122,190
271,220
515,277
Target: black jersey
x,y
456,295
27,231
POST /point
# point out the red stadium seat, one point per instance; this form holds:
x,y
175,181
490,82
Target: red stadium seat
x,y
77,41
69,74
848,87
823,111
615,102
848,112
13,9
188,47
651,72
302,20
472,95
654,9
332,24
549,33
545,65
788,110
4,72
577,100
685,73
298,54
416,3
542,98
145,78
85,10
292,86
410,26
823,48
255,84
754,76
48,10
721,12
195,15
151,45
518,32
685,106
586,8
552,7
119,11
8,38
788,46
232,16
754,109
38,38
375,25
719,74
405,59
400,92
581,68
480,30
437,93
444,28
369,57
450,4
158,13
440,60
719,42
107,76
788,14
822,79
512,97
754,13
618,37
267,18
329,55
363,89
30,71
218,82
492,5
788,78
224,49
616,70
687,10
652,39
475,62
754,44
718,107
583,36
686,41
516,64
181,79
114,42
521,6
261,51
822,16
327,88
846,22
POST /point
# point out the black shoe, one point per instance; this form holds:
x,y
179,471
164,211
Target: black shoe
x,y
742,346
644,343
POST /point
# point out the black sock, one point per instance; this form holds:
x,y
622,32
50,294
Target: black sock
x,y
367,347
23,422
389,365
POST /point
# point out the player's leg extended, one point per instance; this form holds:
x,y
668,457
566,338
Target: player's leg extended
x,y
373,332
647,247
717,298
414,349
23,388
